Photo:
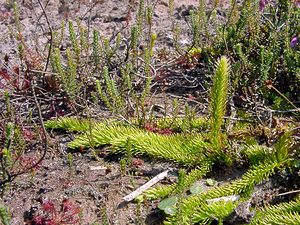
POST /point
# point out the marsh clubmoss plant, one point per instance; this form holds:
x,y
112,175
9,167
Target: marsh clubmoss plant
x,y
72,84
182,150
147,69
68,76
74,41
111,96
218,98
199,151
283,213
96,49
134,38
95,65
140,16
190,207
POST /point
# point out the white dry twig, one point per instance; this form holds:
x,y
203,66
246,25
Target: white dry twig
x,y
146,186
92,168
232,198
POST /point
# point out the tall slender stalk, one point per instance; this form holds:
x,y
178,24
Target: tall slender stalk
x,y
218,97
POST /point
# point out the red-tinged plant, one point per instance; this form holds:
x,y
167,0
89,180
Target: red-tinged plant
x,y
16,140
161,75
189,61
4,14
23,162
12,80
151,127
69,213
27,134
58,107
137,162
4,79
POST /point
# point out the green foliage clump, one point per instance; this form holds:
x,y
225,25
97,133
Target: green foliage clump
x,y
190,207
188,149
284,213
259,41
173,147
5,215
69,123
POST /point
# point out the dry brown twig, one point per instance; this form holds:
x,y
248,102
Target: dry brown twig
x,y
51,38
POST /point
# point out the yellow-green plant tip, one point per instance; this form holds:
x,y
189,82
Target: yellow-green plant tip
x,y
218,96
